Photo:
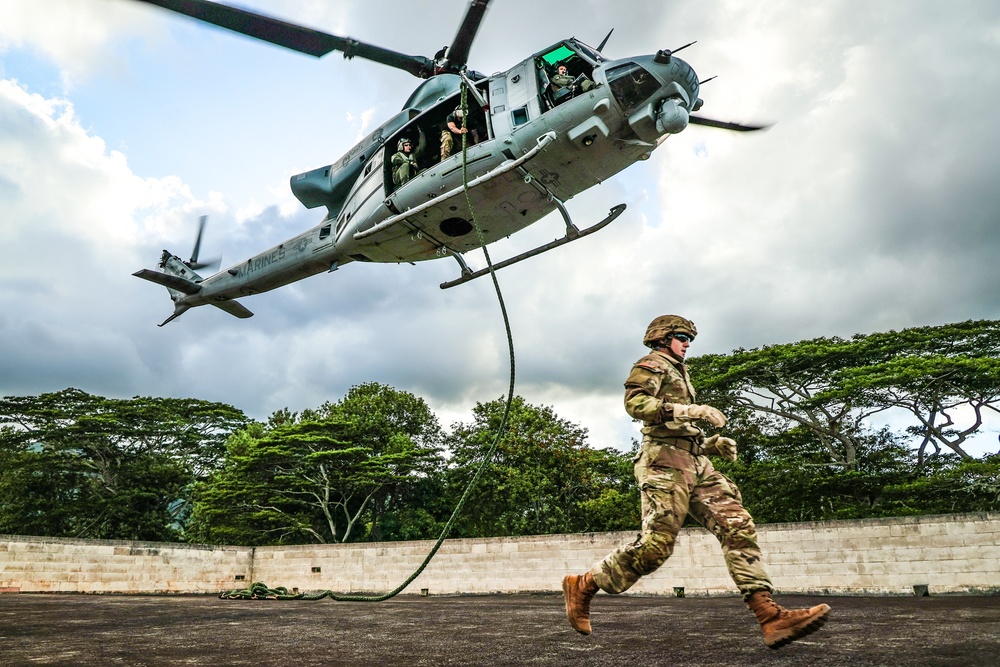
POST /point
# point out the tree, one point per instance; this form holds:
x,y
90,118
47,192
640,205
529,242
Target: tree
x,y
382,416
937,374
80,465
543,477
782,382
320,475
832,387
785,474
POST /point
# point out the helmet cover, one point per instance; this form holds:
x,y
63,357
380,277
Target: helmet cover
x,y
665,326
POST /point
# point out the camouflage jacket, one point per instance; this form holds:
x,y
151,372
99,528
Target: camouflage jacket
x,y
656,382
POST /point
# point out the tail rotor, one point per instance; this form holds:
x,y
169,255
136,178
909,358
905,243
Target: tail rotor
x,y
193,263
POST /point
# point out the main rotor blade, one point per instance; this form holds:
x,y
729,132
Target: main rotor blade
x,y
458,53
292,36
736,127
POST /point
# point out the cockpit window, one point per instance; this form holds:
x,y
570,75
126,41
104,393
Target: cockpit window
x,y
561,53
631,85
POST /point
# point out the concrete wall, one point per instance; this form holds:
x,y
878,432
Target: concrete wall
x,y
948,554
50,564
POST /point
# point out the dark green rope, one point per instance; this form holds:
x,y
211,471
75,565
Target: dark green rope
x,y
260,591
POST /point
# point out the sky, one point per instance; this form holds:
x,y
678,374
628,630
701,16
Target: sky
x,y
871,204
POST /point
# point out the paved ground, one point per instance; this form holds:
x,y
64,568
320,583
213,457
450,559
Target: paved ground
x,y
485,630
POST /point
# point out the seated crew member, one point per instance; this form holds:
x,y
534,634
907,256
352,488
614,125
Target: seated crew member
x,y
564,85
404,162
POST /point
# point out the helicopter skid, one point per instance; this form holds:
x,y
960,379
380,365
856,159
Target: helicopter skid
x,y
572,234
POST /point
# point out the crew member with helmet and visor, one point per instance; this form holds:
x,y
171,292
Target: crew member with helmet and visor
x,y
676,478
406,160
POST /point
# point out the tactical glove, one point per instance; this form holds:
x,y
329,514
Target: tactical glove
x,y
724,447
687,413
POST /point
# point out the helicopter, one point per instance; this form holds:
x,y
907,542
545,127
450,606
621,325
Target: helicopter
x,y
560,121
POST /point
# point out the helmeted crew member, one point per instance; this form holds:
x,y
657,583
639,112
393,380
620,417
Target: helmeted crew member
x,y
676,478
404,162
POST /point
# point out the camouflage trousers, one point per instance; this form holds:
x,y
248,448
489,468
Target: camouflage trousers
x,y
674,483
447,144
451,142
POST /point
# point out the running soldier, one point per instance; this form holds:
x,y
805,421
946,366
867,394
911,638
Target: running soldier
x,y
676,478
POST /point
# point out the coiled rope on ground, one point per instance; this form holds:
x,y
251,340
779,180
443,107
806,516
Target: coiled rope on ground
x,y
260,591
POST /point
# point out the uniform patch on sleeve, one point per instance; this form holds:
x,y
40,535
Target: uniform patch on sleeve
x,y
652,362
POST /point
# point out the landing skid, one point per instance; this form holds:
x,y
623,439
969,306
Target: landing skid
x,y
572,234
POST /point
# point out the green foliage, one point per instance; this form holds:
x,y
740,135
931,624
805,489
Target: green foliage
x,y
788,477
542,479
78,465
318,476
375,465
832,387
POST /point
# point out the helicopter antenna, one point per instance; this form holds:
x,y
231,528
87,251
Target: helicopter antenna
x,y
685,46
600,49
708,79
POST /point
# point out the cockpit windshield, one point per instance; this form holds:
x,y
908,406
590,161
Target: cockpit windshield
x,y
631,85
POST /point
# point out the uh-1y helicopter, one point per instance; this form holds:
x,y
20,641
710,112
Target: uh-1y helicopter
x,y
555,124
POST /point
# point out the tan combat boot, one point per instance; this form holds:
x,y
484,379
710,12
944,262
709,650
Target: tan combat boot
x,y
781,626
578,591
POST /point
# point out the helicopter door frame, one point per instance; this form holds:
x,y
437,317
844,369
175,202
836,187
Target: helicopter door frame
x,y
366,187
424,131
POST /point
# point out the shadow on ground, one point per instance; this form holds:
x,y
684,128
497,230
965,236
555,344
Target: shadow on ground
x,y
485,630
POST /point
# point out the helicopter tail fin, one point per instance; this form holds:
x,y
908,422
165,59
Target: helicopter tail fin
x,y
234,307
171,282
182,281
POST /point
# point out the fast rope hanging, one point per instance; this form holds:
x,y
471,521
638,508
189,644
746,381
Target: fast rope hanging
x,y
260,591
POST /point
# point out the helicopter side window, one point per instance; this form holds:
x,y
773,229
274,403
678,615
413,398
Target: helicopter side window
x,y
631,85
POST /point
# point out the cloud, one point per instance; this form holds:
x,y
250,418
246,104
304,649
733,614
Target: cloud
x,y
869,205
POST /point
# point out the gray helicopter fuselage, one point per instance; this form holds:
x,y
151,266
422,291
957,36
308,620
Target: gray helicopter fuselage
x,y
574,141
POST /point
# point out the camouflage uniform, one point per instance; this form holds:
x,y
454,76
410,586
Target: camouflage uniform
x,y
676,479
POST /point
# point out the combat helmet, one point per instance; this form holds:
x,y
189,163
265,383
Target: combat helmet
x,y
403,141
666,325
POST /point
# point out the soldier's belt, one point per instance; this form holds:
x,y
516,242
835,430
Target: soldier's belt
x,y
692,444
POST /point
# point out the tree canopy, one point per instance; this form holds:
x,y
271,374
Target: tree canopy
x,y
811,419
945,377
78,465
318,475
543,478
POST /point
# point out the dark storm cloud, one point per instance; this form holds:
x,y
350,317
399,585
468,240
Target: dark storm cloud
x,y
870,205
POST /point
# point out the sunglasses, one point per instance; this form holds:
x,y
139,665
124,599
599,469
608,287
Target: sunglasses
x,y
684,338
